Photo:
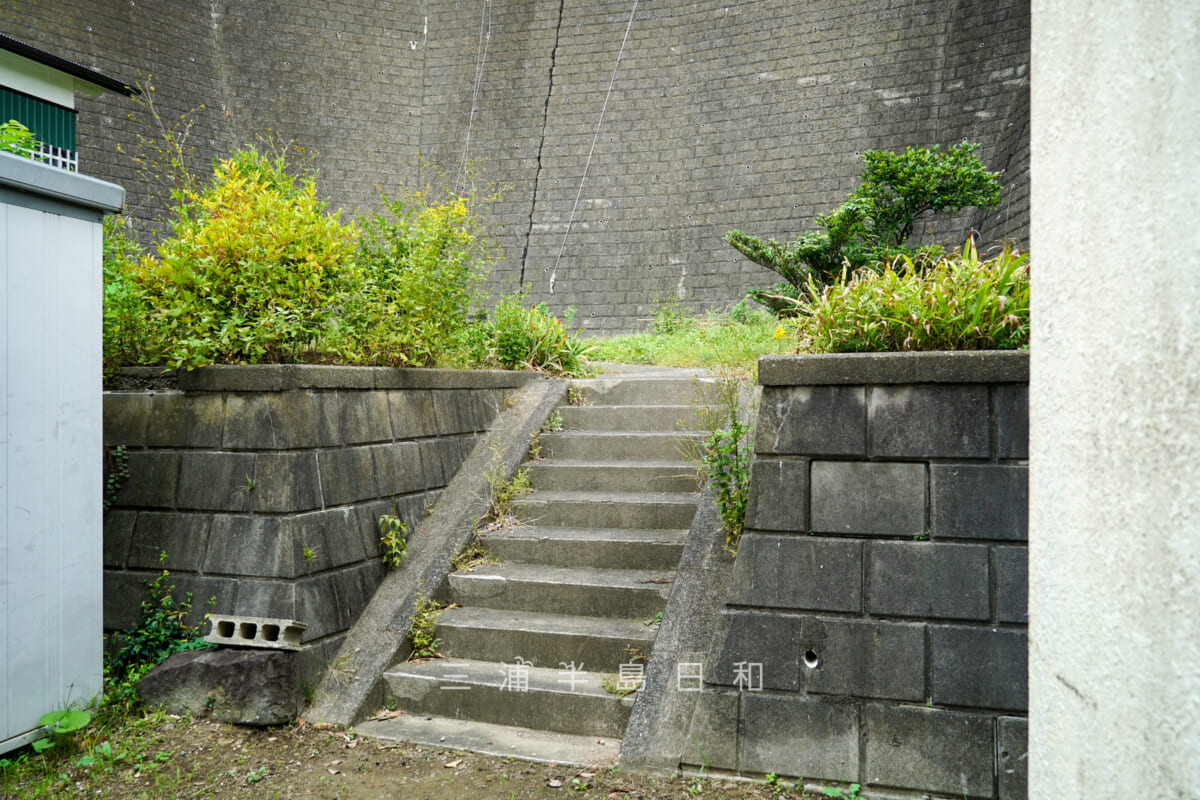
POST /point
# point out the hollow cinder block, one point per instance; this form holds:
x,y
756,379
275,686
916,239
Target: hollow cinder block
x,y
261,632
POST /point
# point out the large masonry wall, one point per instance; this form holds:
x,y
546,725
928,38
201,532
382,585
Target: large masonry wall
x,y
262,487
874,629
748,115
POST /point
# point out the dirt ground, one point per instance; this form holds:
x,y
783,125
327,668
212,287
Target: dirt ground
x,y
171,757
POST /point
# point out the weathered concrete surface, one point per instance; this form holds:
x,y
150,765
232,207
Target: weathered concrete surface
x,y
269,501
656,737
1114,571
351,688
502,741
244,687
982,366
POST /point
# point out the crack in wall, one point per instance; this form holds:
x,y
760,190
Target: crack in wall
x,y
541,142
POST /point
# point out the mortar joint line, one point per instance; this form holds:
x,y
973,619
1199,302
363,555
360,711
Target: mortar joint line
x,y
592,149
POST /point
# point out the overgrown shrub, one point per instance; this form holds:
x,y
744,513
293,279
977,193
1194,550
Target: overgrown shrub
x,y
962,302
423,261
256,270
873,226
530,338
130,335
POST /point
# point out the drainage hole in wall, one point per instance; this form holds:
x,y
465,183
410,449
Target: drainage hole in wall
x,y
811,659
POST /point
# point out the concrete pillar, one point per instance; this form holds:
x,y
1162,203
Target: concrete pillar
x,y
1115,400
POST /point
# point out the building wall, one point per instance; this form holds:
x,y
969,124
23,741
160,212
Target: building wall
x,y
749,115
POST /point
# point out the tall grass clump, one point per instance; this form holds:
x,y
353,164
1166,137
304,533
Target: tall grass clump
x,y
533,339
961,302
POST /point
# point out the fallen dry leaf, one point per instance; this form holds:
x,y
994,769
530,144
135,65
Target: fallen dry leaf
x,y
452,764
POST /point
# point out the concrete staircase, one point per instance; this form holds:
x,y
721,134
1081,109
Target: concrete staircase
x,y
582,583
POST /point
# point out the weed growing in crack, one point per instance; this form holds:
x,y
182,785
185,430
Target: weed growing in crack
x,y
473,555
393,540
422,630
723,455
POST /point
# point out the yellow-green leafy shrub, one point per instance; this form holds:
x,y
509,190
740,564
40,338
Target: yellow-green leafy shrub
x,y
256,270
422,261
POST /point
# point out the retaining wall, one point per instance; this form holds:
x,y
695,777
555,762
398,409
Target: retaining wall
x,y
874,628
722,115
264,485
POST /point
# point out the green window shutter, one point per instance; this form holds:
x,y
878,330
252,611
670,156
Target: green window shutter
x,y
51,124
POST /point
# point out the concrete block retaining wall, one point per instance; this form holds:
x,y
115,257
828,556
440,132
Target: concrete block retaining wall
x,y
720,116
264,485
881,581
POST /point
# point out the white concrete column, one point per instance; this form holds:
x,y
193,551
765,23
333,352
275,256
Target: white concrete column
x,y
1115,400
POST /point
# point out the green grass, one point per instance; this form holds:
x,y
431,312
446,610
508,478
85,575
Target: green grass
x,y
729,341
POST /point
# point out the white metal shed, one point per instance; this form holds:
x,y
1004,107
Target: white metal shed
x,y
51,602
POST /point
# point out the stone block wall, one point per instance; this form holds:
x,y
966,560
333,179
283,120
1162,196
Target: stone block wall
x,y
747,115
263,486
874,630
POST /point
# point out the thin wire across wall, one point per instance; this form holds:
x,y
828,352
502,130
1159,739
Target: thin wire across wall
x,y
595,138
481,50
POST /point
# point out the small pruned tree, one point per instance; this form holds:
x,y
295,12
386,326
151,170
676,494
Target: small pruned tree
x,y
873,226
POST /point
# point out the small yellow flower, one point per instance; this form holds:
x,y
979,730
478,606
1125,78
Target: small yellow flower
x,y
780,332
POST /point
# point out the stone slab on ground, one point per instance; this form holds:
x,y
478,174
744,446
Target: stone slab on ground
x,y
490,739
244,687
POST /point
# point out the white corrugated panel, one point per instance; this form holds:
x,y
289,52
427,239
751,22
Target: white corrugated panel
x,y
50,478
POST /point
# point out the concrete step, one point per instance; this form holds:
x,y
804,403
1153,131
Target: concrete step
x,y
618,593
604,548
621,391
545,640
548,699
504,741
613,476
645,510
644,446
629,418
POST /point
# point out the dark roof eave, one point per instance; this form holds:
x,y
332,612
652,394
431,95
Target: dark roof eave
x,y
70,67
